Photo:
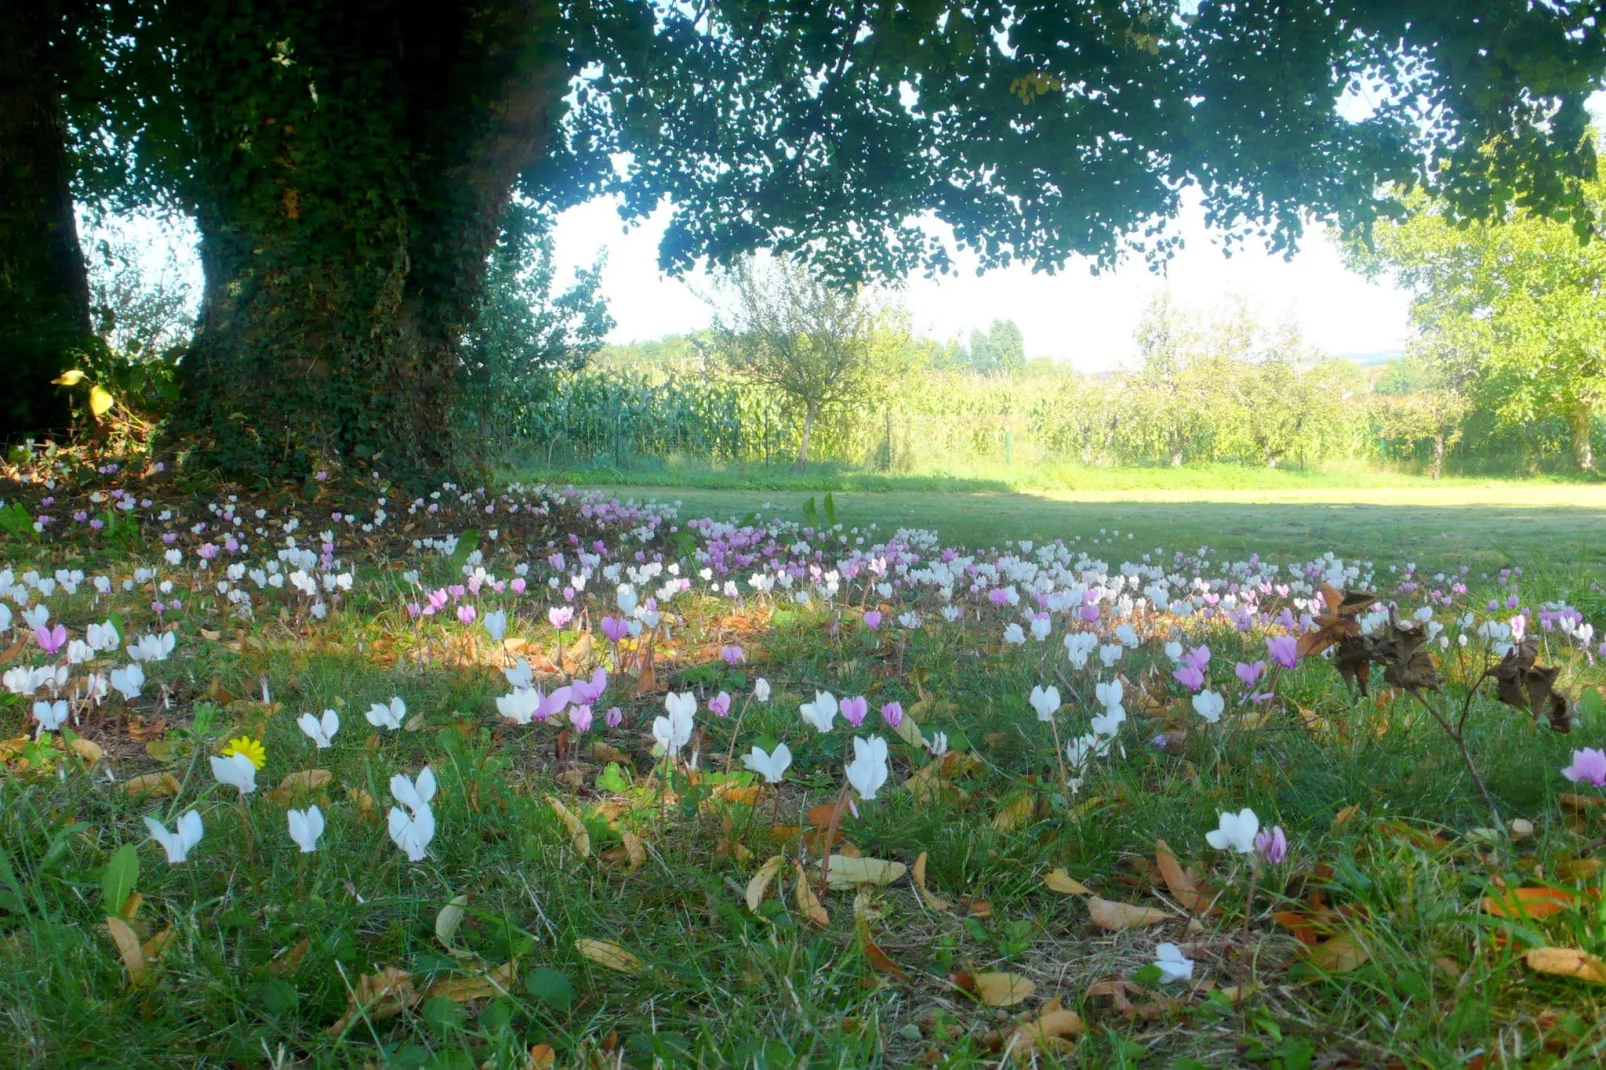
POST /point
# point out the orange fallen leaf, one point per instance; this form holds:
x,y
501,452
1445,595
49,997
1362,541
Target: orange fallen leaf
x,y
128,948
1529,902
760,883
378,995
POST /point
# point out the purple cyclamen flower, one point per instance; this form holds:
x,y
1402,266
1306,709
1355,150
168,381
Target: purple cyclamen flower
x,y
1589,767
466,614
892,713
1283,650
51,639
854,710
560,616
613,717
580,718
1250,671
720,705
615,628
1272,844
872,619
518,585
733,655
1189,677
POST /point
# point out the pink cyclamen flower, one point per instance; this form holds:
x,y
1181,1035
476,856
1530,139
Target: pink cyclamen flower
x,y
51,639
466,614
614,717
580,718
1589,767
615,628
560,616
720,705
1283,650
854,710
892,713
1189,677
1250,671
733,655
1272,844
518,585
872,619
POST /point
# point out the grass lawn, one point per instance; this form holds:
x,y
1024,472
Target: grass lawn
x,y
600,880
1551,527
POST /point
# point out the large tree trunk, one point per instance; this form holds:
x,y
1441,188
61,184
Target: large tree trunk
x,y
351,187
1581,423
44,287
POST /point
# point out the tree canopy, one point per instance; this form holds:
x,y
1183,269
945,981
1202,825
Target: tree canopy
x,y
1508,312
349,161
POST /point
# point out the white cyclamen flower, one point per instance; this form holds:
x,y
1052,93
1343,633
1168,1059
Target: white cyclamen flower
x,y
1208,704
772,766
1046,701
305,828
868,770
177,844
383,716
1237,832
1173,964
320,730
237,771
820,713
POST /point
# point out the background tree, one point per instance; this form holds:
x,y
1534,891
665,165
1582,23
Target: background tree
x,y
824,345
525,334
1511,311
349,161
44,286
1008,347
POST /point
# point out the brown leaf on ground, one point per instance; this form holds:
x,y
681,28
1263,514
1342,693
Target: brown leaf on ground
x,y
1341,954
1529,902
378,996
1113,917
997,989
1194,899
918,874
1566,962
1062,882
808,904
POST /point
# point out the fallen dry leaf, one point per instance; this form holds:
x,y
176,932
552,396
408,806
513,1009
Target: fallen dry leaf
x,y
1045,1032
1338,955
378,995
846,871
1529,902
808,904
1002,989
1183,889
1566,962
579,838
606,953
88,750
542,1057
759,885
151,785
487,985
879,959
1113,917
133,955
1062,882
919,875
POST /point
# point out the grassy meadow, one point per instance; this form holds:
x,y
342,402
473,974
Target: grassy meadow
x,y
950,870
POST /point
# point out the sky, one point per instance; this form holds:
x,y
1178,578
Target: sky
x,y
1073,316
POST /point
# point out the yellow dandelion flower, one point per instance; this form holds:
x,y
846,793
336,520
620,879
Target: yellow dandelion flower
x,y
251,748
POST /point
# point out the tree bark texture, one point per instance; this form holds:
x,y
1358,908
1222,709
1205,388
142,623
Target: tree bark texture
x,y
44,284
352,178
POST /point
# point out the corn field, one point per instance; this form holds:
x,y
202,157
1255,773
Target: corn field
x,y
1258,414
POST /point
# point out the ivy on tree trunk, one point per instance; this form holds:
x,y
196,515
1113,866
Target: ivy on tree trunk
x,y
352,180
